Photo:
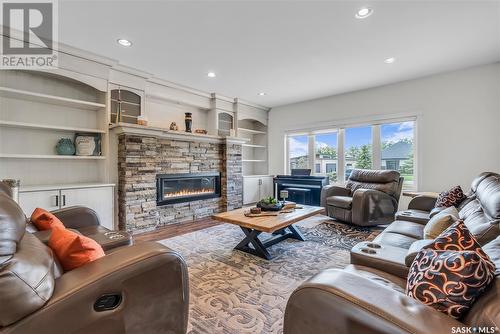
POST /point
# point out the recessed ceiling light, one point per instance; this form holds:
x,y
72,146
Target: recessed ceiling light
x,y
364,12
124,42
390,60
262,94
211,74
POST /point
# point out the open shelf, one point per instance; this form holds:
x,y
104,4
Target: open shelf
x,y
252,131
51,99
253,145
48,127
51,156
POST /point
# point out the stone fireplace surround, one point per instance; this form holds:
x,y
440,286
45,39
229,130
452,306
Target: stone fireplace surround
x,y
145,152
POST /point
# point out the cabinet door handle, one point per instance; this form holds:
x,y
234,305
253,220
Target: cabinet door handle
x,y
57,200
64,200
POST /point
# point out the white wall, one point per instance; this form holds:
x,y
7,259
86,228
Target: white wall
x,y
458,134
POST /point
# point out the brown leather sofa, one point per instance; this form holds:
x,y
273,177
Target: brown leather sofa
x,y
370,197
369,295
135,289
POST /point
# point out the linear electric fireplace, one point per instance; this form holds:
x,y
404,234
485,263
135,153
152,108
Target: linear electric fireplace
x,y
177,188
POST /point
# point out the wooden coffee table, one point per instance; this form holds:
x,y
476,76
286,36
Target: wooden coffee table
x,y
281,226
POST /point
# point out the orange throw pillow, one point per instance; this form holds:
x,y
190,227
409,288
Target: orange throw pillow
x,y
45,220
72,249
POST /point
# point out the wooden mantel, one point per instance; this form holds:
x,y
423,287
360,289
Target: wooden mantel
x,y
148,131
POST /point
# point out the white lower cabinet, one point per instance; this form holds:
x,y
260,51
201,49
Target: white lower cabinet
x,y
48,200
99,199
256,187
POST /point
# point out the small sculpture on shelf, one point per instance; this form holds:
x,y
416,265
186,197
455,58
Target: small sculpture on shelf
x,y
200,131
189,121
173,126
65,147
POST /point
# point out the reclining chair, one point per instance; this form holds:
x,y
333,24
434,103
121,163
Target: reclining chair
x,y
134,289
370,197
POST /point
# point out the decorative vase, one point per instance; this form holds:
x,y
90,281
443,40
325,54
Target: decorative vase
x,y
65,147
189,121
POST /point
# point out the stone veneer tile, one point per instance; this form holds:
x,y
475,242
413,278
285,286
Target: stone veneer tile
x,y
140,158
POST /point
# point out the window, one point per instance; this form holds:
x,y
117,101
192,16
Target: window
x,y
298,152
358,152
325,146
330,168
384,145
397,149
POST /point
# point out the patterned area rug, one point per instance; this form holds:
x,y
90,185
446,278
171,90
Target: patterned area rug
x,y
234,292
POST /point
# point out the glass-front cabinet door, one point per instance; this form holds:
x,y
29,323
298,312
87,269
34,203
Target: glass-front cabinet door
x,y
126,105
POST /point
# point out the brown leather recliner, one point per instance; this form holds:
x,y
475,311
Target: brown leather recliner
x,y
135,289
370,197
369,295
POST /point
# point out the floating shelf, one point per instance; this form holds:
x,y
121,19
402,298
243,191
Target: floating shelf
x,y
51,99
252,131
14,124
253,145
51,156
252,160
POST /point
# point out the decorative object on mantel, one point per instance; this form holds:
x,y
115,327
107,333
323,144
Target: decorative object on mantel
x,y
189,121
173,126
201,131
65,147
88,144
142,120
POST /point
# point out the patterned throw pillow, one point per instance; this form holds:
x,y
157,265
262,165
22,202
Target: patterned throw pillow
x,y
450,273
452,197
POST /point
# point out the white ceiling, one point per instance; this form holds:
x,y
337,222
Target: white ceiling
x,y
292,50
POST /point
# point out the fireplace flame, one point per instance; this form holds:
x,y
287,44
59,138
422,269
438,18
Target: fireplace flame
x,y
188,192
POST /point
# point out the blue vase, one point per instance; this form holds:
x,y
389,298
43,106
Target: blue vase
x,y
65,147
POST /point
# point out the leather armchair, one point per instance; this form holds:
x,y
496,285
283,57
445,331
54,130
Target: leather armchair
x,y
369,198
136,289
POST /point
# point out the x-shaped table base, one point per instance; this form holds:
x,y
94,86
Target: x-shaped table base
x,y
259,247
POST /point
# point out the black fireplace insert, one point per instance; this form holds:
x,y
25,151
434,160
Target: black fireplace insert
x,y
178,188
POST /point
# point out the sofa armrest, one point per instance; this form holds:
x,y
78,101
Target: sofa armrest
x,y
328,191
77,217
153,283
422,202
372,207
340,300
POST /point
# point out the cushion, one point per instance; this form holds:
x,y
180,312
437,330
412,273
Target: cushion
x,y
44,220
414,249
73,250
452,197
26,280
450,273
344,202
440,222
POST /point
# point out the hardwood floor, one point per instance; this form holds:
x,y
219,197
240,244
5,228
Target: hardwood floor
x,y
175,230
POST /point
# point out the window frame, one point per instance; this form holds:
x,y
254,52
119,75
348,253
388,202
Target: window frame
x,y
376,145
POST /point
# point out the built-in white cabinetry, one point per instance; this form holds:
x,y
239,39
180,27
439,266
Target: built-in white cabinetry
x,y
252,126
99,198
256,187
48,200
